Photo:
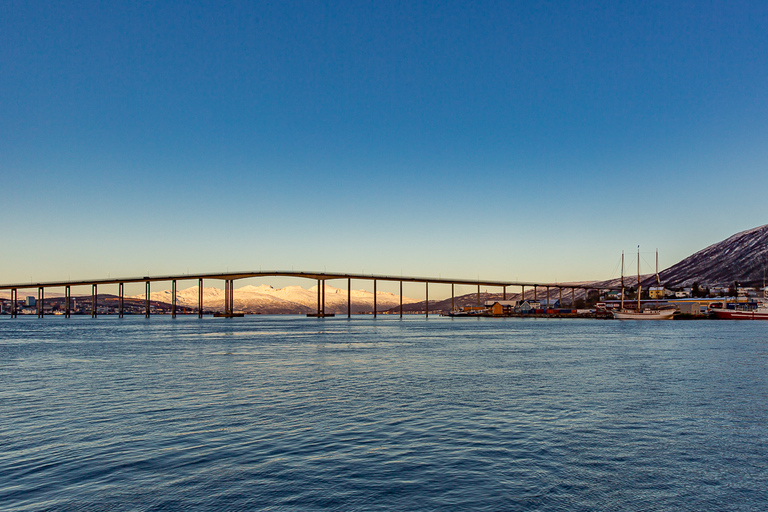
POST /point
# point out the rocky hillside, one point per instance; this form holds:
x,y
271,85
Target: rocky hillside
x,y
742,258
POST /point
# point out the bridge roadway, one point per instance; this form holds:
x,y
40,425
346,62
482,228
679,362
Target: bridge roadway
x,y
230,277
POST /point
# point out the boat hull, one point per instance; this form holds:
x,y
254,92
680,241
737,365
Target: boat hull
x,y
660,314
730,314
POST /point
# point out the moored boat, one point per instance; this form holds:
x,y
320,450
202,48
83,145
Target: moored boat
x,y
656,313
646,314
742,313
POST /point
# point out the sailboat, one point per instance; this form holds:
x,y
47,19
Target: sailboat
x,y
640,313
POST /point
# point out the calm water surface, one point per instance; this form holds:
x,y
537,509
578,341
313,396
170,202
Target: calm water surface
x,y
290,413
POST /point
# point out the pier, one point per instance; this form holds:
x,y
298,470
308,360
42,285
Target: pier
x,y
230,277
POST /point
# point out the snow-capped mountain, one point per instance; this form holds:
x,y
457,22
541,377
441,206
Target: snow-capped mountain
x,y
741,258
291,299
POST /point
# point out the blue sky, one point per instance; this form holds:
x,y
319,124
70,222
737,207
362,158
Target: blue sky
x,y
506,140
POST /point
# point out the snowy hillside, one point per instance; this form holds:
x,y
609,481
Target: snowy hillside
x,y
742,258
291,299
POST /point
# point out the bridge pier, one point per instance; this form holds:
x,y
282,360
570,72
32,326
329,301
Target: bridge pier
x,y
401,299
478,295
349,297
229,297
14,300
374,298
199,298
426,301
120,300
67,296
504,292
560,291
146,299
94,301
173,299
535,299
452,299
522,291
40,301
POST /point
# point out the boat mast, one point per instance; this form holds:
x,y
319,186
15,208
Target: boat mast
x,y
622,280
658,283
638,279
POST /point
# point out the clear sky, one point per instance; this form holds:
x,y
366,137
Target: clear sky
x,y
506,140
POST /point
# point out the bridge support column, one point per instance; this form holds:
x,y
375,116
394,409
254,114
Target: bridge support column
x,y
323,297
573,298
560,291
426,301
522,291
374,298
226,296
535,299
401,299
173,299
40,302
478,295
349,297
318,297
229,296
67,298
453,306
199,298
120,300
94,301
548,298
14,299
504,292
146,299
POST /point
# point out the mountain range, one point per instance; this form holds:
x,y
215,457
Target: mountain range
x,y
290,300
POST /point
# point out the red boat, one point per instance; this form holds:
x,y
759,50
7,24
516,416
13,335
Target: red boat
x,y
742,313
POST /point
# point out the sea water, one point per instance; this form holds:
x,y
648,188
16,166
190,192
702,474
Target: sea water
x,y
290,413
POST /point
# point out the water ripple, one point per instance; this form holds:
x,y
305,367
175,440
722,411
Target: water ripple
x,y
287,413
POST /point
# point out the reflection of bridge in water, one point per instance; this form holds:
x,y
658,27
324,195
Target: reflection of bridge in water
x,y
230,277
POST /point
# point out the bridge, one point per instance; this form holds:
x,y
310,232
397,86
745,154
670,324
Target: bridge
x,y
230,277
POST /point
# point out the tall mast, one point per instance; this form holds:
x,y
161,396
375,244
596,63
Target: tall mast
x,y
638,279
622,279
658,283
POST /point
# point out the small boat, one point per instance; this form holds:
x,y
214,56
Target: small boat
x,y
656,313
466,312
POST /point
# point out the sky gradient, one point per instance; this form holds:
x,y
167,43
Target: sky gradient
x,y
505,140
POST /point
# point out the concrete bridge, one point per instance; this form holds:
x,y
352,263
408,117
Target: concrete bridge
x,y
230,277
